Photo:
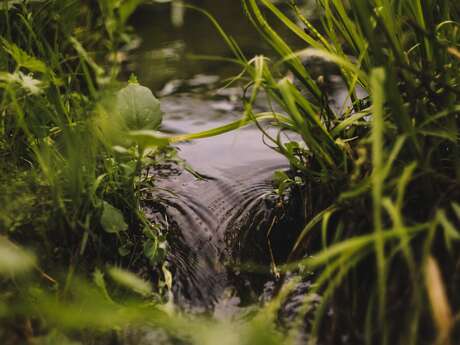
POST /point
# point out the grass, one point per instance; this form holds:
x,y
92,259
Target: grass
x,y
69,194
381,176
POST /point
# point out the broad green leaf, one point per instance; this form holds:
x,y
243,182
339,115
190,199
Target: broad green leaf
x,y
280,177
138,108
112,219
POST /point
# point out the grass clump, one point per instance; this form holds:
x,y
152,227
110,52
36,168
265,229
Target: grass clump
x,y
381,174
69,184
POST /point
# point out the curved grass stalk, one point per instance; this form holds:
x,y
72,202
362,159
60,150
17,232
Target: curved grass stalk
x,y
281,46
336,264
318,42
311,224
321,147
353,244
348,122
148,138
236,50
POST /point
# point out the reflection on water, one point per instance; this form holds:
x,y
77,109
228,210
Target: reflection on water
x,y
189,88
166,46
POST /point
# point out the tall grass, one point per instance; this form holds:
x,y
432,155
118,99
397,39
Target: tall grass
x,y
382,176
67,195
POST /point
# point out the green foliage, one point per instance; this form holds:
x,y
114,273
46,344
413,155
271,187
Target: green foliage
x,y
138,108
112,219
130,281
380,175
14,259
22,59
68,195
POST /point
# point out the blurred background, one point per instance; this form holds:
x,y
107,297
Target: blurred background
x,y
169,34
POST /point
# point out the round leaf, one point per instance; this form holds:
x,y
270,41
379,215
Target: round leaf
x,y
138,108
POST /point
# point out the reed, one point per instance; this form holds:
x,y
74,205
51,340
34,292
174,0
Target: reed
x,y
388,162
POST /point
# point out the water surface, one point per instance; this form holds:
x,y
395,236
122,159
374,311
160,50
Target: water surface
x,y
206,216
211,218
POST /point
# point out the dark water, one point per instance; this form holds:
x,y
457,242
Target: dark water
x,y
207,219
206,216
211,220
165,50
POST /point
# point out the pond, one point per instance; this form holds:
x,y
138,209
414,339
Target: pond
x,y
166,48
209,216
191,89
238,165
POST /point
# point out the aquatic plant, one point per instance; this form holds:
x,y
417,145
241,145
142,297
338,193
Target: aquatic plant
x,y
380,176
